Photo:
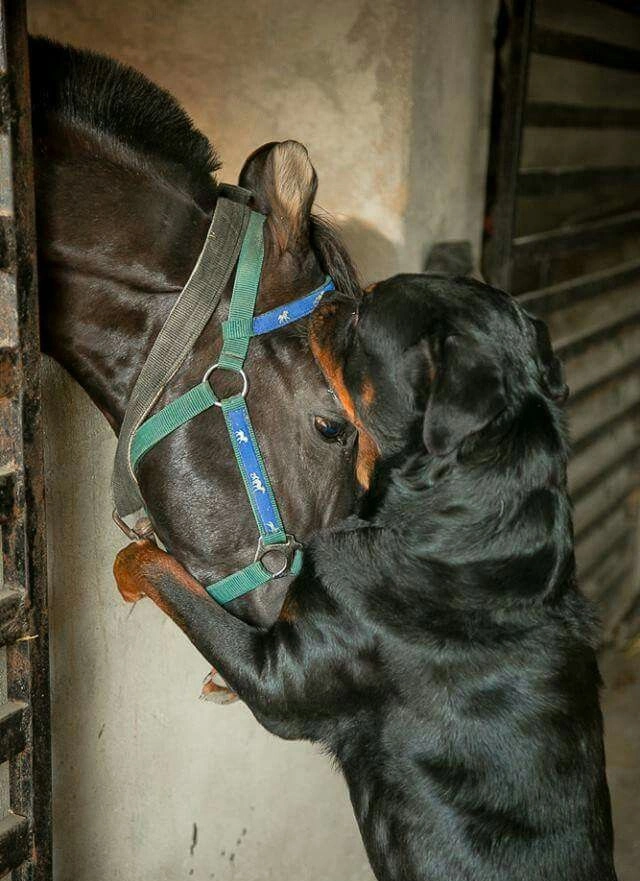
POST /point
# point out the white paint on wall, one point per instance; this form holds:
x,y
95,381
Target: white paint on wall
x,y
392,100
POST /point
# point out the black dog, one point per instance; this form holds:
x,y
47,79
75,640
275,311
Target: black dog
x,y
437,645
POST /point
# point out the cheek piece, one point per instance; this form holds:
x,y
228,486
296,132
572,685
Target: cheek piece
x,y
277,552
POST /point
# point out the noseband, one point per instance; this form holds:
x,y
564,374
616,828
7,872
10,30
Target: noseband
x,y
277,553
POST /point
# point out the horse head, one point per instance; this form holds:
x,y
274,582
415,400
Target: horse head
x,y
125,192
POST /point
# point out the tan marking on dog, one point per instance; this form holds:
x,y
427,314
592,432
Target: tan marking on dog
x,y
367,393
289,610
137,565
135,568
215,693
367,448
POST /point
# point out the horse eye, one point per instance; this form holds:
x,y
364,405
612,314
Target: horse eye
x,y
329,429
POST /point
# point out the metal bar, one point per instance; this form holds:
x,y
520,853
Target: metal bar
x,y
579,343
622,462
14,842
605,428
603,584
615,504
575,47
622,438
21,443
604,402
614,543
548,114
13,616
584,235
7,493
632,7
13,719
509,142
591,366
627,372
613,484
569,293
556,181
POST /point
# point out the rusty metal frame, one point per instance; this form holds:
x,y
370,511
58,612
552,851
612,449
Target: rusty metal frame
x,y
25,830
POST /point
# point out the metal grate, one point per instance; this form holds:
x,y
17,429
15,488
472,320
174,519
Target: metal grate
x,y
563,239
25,790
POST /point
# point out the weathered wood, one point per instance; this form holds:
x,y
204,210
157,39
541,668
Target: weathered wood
x,y
577,291
542,245
598,543
561,44
13,722
599,406
558,181
509,142
592,358
25,846
548,114
608,490
14,842
594,319
604,447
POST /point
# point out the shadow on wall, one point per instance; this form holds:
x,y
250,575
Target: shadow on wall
x,y
376,256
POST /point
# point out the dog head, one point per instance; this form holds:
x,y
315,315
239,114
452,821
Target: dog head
x,y
431,363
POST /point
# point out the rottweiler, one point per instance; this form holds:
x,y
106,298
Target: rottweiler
x,y
436,643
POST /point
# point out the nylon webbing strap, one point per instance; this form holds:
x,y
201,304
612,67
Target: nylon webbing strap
x,y
186,321
238,329
254,474
165,421
247,579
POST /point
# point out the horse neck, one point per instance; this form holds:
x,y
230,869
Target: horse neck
x,y
117,241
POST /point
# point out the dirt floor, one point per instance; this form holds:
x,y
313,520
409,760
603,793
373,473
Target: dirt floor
x,y
621,707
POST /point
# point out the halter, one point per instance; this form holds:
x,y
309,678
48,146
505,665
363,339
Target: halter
x,y
277,553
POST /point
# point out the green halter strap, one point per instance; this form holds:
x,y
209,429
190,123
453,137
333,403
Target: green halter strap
x,y
277,553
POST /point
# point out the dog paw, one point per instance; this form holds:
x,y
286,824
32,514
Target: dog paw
x,y
130,568
215,690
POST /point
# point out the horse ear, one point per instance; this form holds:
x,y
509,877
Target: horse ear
x,y
552,377
467,393
283,182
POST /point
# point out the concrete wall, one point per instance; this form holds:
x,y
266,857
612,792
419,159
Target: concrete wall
x,y
392,100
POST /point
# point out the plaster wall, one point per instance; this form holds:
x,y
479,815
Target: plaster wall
x,y
392,100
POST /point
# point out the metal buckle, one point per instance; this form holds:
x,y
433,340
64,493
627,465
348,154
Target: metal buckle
x,y
245,381
284,550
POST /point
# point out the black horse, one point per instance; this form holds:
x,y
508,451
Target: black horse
x,y
125,191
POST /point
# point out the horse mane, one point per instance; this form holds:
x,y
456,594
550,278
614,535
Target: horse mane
x,y
334,257
116,101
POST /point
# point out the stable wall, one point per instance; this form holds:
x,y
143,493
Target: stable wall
x,y
392,100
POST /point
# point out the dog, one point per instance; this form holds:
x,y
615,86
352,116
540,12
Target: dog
x,y
436,643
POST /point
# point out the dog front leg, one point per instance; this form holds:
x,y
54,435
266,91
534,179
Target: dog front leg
x,y
229,644
252,661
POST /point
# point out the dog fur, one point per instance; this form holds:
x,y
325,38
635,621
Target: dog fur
x,y
436,644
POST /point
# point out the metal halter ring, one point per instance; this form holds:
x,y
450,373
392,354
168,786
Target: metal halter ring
x,y
245,381
285,549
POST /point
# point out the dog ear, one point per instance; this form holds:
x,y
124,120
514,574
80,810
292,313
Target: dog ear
x,y
551,367
467,393
283,182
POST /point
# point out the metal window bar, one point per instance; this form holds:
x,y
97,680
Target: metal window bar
x,y
25,828
593,316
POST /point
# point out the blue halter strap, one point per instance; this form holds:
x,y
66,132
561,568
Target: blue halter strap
x,y
277,552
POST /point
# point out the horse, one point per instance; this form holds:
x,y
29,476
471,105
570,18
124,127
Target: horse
x,y
125,190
